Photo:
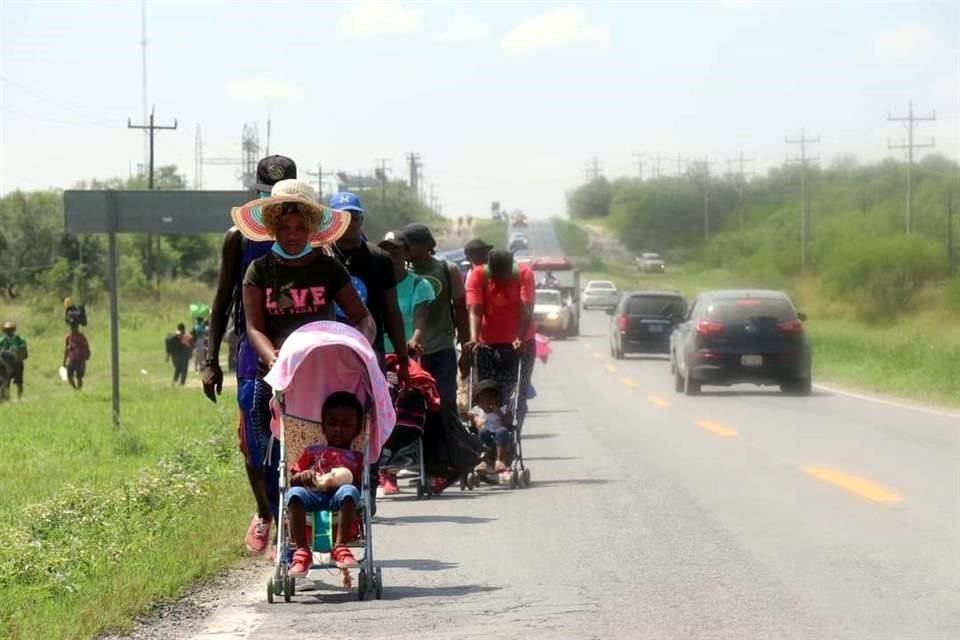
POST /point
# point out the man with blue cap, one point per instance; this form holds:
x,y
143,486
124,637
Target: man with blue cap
x,y
371,270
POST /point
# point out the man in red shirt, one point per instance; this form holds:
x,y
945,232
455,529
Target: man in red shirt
x,y
500,297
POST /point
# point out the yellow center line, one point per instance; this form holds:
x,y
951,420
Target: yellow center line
x,y
611,368
854,484
628,382
719,429
657,400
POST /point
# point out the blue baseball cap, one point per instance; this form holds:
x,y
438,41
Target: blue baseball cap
x,y
346,201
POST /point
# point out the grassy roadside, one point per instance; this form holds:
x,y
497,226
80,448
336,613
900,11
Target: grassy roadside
x,y
100,523
917,356
492,231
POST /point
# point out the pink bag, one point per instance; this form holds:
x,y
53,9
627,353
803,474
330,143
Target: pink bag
x,y
543,348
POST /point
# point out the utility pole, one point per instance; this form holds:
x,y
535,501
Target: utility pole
x,y
319,174
592,171
381,173
638,159
951,256
151,130
414,165
740,179
911,121
700,172
803,141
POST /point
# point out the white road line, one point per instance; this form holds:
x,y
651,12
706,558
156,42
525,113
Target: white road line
x,y
889,403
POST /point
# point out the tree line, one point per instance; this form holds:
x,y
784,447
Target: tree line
x,y
37,253
857,245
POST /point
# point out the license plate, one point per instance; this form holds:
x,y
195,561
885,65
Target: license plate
x,y
654,328
751,361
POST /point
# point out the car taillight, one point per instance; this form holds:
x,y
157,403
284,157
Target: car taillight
x,y
790,326
708,328
622,322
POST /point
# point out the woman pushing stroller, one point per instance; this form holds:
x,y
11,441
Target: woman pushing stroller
x,y
293,284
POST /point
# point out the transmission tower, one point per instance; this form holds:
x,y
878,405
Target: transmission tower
x,y
699,172
911,120
638,160
592,171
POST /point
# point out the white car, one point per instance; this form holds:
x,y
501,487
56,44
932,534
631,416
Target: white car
x,y
551,315
600,293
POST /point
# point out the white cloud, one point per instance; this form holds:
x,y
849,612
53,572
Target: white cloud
x,y
266,89
464,28
372,18
554,29
906,42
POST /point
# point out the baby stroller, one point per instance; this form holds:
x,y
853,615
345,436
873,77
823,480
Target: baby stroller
x,y
505,366
404,450
429,438
318,359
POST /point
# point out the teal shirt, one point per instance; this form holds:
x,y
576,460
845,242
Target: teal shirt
x,y
411,292
14,344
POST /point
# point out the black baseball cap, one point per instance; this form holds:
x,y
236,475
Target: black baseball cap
x,y
272,170
417,233
393,240
477,245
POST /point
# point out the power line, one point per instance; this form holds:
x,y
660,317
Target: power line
x,y
804,161
911,121
381,173
414,166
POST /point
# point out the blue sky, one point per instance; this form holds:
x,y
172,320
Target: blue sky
x,y
503,100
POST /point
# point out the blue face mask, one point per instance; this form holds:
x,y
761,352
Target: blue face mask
x,y
277,249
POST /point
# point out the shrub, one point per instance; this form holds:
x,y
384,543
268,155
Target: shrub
x,y
881,274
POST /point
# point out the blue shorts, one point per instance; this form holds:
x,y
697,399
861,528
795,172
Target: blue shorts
x,y
501,438
253,399
323,500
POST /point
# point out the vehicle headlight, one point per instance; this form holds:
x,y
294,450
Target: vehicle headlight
x,y
553,315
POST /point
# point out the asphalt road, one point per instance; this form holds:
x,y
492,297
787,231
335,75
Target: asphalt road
x,y
740,514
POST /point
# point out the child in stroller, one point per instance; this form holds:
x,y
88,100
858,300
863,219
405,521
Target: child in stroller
x,y
323,480
492,421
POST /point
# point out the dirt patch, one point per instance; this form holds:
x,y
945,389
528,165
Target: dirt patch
x,y
603,242
187,616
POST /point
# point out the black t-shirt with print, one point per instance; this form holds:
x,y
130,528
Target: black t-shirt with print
x,y
296,294
373,268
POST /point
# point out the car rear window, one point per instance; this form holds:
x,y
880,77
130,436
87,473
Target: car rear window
x,y
608,286
547,297
655,306
750,309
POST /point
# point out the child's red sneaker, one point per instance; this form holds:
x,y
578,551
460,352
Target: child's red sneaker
x,y
302,559
343,557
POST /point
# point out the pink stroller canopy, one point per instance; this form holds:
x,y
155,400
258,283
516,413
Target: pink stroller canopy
x,y
321,358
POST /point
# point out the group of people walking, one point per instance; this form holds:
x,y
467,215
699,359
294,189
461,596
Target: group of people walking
x,y
289,260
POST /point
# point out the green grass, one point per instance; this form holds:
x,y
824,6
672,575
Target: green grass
x,y
572,238
917,356
492,231
100,523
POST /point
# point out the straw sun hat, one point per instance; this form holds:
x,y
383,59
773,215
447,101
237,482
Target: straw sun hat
x,y
257,219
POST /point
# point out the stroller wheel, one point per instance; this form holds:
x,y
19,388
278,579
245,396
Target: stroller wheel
x,y
291,587
287,589
525,478
378,584
270,591
362,585
473,481
420,490
514,480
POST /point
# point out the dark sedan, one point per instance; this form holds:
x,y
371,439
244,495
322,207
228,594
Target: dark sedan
x,y
643,321
748,336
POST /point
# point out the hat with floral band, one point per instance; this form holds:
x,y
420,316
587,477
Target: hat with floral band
x,y
255,219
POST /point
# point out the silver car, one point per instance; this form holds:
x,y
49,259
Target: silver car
x,y
600,293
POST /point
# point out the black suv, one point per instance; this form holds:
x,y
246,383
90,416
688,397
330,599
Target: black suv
x,y
752,336
643,321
